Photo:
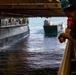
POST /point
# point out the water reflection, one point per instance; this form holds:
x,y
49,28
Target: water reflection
x,y
36,55
15,63
12,62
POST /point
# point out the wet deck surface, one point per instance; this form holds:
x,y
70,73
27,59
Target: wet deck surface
x,y
36,55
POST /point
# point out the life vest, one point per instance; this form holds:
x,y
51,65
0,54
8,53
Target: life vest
x,y
69,22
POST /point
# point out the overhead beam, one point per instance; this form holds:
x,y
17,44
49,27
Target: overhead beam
x,y
32,6
52,5
32,12
23,1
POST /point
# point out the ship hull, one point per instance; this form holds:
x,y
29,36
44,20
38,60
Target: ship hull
x,y
10,36
52,30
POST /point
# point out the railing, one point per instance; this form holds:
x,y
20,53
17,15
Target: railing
x,y
65,68
18,25
68,66
6,23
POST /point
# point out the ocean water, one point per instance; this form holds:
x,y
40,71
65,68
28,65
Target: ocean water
x,y
36,55
46,53
48,49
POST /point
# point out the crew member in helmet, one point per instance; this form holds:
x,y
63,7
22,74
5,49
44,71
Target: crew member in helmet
x,y
69,6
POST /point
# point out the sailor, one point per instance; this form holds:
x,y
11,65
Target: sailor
x,y
69,6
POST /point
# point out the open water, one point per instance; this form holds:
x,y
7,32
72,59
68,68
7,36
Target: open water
x,y
36,55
